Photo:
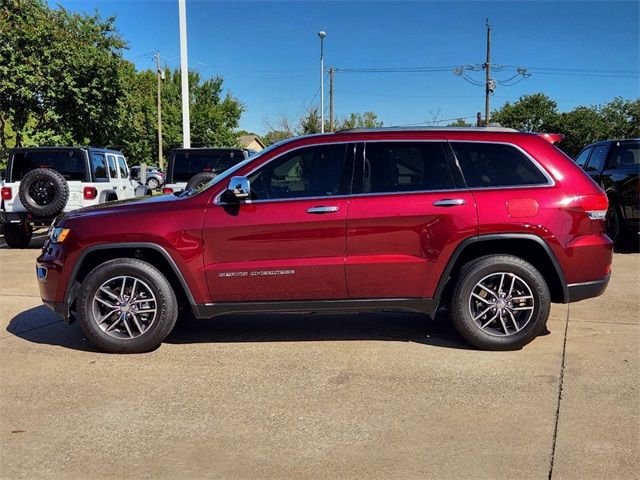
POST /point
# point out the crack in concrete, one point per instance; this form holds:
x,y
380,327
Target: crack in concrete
x,y
560,386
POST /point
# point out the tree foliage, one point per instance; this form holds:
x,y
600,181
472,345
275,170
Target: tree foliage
x,y
63,81
583,125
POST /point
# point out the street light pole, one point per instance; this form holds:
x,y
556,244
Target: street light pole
x,y
322,34
184,74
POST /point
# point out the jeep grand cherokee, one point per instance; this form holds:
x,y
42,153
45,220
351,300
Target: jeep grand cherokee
x,y
494,223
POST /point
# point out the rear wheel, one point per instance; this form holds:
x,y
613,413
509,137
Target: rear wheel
x,y
152,183
18,235
500,302
126,306
614,224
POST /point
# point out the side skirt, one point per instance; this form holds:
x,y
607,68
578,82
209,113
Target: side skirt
x,y
419,305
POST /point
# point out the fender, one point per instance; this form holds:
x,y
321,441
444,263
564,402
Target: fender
x,y
500,236
72,288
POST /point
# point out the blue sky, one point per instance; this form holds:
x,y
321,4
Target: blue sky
x,y
268,52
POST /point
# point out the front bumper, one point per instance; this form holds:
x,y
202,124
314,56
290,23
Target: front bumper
x,y
584,290
61,308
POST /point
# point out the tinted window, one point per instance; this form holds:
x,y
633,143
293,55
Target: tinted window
x,y
99,166
405,167
596,161
583,157
188,163
70,163
124,173
308,172
496,165
112,166
625,155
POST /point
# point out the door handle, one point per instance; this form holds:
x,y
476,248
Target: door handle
x,y
321,210
449,202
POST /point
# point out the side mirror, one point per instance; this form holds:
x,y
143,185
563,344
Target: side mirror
x,y
239,188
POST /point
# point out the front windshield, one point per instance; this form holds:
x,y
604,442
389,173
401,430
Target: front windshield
x,y
229,173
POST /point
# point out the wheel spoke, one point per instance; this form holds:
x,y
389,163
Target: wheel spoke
x,y
517,299
480,298
513,320
487,290
107,315
137,322
148,310
124,283
501,282
482,313
513,281
490,320
126,325
133,289
504,325
113,325
104,302
522,308
102,289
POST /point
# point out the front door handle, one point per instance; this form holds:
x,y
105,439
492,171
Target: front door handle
x,y
321,210
449,202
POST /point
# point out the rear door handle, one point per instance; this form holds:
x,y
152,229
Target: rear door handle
x,y
449,202
321,210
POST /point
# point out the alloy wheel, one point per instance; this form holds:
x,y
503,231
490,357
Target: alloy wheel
x,y
501,304
124,307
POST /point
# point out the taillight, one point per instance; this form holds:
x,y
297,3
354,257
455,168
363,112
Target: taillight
x,y
594,205
90,193
7,194
167,190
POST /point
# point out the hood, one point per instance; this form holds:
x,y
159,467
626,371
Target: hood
x,y
122,206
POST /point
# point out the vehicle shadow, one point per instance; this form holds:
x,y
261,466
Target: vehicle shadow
x,y
40,325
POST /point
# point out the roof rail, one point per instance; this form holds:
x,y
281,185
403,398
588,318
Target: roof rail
x,y
489,128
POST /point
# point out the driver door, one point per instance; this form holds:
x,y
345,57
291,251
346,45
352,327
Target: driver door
x,y
289,241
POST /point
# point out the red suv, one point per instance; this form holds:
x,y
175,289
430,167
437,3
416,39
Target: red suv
x,y
492,223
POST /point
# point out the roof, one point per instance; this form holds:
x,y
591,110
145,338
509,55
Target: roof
x,y
430,129
245,140
99,149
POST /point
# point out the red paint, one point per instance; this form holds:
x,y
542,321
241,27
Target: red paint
x,y
393,245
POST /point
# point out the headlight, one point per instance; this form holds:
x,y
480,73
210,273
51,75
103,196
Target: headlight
x,y
58,234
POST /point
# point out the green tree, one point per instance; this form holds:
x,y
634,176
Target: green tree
x,y
460,122
59,75
530,113
274,136
359,120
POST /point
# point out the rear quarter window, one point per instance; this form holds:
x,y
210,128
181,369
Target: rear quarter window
x,y
496,165
625,155
186,164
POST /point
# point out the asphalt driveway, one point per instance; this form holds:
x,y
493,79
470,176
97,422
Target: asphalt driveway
x,y
321,396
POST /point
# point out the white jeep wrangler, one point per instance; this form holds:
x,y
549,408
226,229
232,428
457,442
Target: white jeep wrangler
x,y
42,182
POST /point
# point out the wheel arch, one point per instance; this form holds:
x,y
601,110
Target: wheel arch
x,y
526,246
150,252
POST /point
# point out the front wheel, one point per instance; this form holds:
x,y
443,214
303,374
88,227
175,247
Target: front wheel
x,y
153,183
500,302
126,306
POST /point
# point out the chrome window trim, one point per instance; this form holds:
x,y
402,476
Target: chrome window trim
x,y
550,181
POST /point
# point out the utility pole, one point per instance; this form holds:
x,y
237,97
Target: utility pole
x,y
184,74
159,74
331,72
489,82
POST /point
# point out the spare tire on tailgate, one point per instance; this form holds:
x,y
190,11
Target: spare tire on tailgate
x,y
43,192
200,179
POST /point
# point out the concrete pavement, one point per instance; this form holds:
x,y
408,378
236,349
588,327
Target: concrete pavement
x,y
321,396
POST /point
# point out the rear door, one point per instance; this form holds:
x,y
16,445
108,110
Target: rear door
x,y
596,162
126,187
288,242
409,217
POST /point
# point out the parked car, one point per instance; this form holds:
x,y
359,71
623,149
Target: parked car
x,y
193,167
42,182
154,176
493,223
615,166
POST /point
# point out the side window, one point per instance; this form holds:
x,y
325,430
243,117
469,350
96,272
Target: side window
x,y
583,157
99,167
124,173
596,161
308,172
496,165
113,173
406,167
625,155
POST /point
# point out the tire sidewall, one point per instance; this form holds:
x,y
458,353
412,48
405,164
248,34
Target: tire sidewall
x,y
469,328
198,178
166,302
616,235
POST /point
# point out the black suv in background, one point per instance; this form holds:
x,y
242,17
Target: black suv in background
x,y
615,166
192,167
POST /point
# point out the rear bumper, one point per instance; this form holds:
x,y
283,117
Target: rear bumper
x,y
19,217
584,290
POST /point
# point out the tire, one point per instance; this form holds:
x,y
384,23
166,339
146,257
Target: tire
x,y
153,183
139,330
614,224
200,179
531,307
43,192
18,235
